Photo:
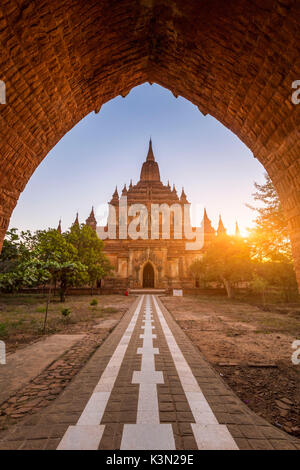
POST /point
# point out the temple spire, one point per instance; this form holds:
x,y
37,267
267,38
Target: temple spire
x,y
206,225
237,230
76,222
59,226
115,197
221,229
150,170
150,155
183,196
91,220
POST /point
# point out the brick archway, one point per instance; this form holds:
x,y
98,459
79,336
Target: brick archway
x,y
235,60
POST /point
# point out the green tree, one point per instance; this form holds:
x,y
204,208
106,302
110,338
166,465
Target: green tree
x,y
226,260
57,255
43,258
269,238
199,271
89,251
10,248
28,273
277,274
15,260
259,285
15,250
74,258
270,243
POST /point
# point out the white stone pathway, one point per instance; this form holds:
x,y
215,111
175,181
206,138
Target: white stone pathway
x,y
208,433
148,432
87,433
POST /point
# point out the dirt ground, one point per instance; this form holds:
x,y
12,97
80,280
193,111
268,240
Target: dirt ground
x,y
251,348
22,315
21,323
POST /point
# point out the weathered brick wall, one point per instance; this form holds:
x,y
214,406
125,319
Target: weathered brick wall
x,y
235,59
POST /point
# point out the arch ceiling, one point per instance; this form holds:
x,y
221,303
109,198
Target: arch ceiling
x,y
235,59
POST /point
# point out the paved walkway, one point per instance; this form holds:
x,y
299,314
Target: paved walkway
x,y
29,361
146,387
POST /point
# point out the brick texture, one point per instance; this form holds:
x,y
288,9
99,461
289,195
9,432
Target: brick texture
x,y
235,60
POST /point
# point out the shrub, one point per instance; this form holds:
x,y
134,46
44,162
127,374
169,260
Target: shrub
x,y
94,302
66,312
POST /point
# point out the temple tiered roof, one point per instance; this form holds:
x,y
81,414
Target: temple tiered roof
x,y
149,188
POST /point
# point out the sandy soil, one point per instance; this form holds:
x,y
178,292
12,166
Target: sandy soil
x,y
251,349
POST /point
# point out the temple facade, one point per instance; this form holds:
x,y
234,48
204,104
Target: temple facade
x,y
152,258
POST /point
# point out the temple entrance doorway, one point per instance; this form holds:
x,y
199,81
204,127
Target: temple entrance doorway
x,y
148,275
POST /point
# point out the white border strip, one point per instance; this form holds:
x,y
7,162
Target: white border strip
x,y
209,434
87,433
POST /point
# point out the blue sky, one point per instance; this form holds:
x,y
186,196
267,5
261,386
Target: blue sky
x,y
107,149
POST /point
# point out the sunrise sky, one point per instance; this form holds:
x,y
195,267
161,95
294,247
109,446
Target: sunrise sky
x,y
107,149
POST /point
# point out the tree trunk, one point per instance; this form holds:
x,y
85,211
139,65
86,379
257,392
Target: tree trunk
x,y
62,292
62,295
287,295
47,307
228,287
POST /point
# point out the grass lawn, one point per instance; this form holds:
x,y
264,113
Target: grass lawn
x,y
22,315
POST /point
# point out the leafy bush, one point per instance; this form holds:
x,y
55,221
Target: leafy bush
x,y
94,302
66,312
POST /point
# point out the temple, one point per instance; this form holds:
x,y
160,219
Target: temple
x,y
152,259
